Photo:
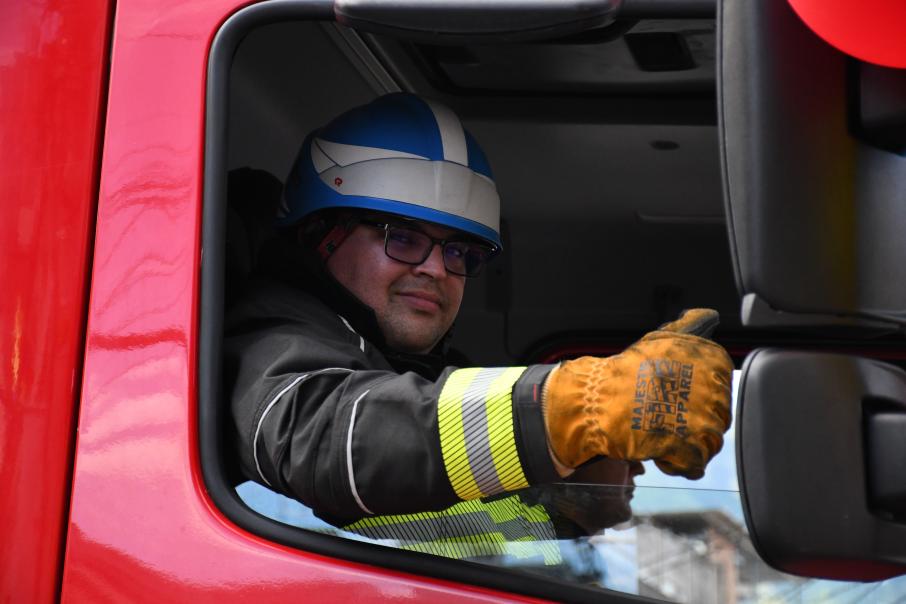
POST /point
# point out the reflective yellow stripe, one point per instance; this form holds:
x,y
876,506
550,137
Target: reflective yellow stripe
x,y
470,529
499,409
452,439
477,435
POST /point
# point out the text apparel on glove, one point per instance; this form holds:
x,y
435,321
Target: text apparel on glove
x,y
666,398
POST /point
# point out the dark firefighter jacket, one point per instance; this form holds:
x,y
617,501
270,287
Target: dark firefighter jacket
x,y
325,415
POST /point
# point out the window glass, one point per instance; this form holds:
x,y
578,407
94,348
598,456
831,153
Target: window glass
x,y
648,534
666,537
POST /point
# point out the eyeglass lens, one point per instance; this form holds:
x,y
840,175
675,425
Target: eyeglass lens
x,y
414,247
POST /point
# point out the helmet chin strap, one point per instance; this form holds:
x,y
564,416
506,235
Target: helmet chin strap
x,y
324,234
332,240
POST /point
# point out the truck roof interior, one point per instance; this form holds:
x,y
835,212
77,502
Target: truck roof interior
x,y
603,147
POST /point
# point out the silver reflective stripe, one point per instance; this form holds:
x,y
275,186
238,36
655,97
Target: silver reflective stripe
x,y
361,339
273,402
452,136
470,529
261,421
355,492
445,186
434,526
475,431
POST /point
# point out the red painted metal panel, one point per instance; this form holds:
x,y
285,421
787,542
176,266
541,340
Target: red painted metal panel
x,y
52,80
142,527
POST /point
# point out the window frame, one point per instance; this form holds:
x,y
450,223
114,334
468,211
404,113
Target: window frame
x,y
213,414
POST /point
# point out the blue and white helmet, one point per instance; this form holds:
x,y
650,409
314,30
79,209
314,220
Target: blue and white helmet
x,y
399,154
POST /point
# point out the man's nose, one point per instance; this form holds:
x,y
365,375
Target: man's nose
x,y
433,265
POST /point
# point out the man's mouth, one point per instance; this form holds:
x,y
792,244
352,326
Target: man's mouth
x,y
421,300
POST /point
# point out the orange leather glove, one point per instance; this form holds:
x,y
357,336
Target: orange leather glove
x,y
666,398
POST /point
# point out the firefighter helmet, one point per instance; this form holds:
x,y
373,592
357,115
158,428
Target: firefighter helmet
x,y
399,154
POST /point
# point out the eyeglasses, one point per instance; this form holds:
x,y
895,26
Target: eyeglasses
x,y
411,246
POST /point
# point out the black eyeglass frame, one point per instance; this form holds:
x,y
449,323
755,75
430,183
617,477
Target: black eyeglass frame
x,y
387,225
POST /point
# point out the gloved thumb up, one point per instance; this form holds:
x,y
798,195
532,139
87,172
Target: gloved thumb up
x,y
666,398
695,321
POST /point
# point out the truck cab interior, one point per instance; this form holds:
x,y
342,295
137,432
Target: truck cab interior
x,y
646,163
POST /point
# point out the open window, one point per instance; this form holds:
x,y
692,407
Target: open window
x,y
602,134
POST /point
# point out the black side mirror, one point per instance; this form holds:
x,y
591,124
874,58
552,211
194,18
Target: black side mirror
x,y
812,151
821,458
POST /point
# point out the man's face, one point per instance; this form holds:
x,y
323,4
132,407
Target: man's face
x,y
415,305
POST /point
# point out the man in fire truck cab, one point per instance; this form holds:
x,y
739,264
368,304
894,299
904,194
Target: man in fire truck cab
x,y
343,395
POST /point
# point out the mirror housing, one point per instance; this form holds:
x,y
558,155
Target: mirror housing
x,y
814,173
821,462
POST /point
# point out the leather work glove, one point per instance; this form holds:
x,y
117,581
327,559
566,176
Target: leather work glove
x,y
666,398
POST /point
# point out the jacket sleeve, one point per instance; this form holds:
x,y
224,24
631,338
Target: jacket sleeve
x,y
322,418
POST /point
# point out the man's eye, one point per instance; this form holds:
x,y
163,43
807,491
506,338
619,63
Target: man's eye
x,y
402,237
454,251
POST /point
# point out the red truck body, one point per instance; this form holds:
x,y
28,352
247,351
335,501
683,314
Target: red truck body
x,y
54,76
101,157
100,259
